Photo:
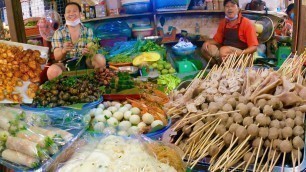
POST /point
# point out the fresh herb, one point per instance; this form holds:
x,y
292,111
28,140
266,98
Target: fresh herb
x,y
170,81
121,58
150,46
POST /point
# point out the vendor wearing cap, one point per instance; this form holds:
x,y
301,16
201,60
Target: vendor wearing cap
x,y
235,34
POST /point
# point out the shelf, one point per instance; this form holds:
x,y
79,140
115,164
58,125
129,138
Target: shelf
x,y
117,17
189,12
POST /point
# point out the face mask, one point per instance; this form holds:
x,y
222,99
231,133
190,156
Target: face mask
x,y
73,23
292,16
232,19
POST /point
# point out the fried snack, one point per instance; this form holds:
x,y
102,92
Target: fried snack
x,y
167,155
18,65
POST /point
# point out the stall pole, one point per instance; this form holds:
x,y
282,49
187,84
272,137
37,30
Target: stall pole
x,y
15,20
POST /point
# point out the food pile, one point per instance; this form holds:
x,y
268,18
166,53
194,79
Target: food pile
x,y
238,116
123,119
25,144
18,66
104,76
163,67
114,153
64,91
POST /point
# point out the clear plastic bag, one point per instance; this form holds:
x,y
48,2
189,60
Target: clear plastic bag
x,y
28,140
112,29
117,153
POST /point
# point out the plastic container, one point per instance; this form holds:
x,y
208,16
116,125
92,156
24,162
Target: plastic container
x,y
184,51
113,7
136,8
61,112
281,54
142,32
171,5
111,41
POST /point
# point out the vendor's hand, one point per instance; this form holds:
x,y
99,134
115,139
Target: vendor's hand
x,y
67,47
85,51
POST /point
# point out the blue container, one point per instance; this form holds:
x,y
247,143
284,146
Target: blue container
x,y
136,8
61,112
157,135
171,5
184,51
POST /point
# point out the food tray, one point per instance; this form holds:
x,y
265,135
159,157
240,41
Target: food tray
x,y
44,54
205,162
45,166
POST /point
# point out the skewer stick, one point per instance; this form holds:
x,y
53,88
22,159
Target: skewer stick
x,y
266,150
249,161
275,162
195,122
181,121
283,164
200,114
238,166
272,160
299,160
189,147
293,162
179,139
254,169
221,113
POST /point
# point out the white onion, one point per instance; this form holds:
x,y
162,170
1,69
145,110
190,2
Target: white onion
x,y
128,106
107,113
100,118
124,125
118,115
133,130
112,122
101,106
123,133
98,111
147,118
141,125
157,123
135,111
99,127
127,115
135,119
112,109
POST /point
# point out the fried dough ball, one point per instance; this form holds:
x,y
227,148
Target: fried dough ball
x,y
247,121
275,103
298,121
278,115
187,130
243,99
268,121
213,107
289,122
261,119
298,131
199,125
297,154
237,118
233,128
227,107
232,102
299,114
261,103
282,124
244,110
194,119
285,146
228,138
229,122
287,132
275,124
250,105
220,130
298,142
253,130
263,132
290,114
268,110
249,156
276,144
204,106
213,150
254,111
256,142
267,143
241,132
273,133
223,117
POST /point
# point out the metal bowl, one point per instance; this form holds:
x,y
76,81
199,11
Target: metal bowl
x,y
129,69
156,39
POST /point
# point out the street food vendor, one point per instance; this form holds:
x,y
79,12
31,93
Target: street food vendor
x,y
287,26
235,34
69,44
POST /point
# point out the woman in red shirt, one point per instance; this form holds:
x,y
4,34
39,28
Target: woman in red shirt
x,y
235,34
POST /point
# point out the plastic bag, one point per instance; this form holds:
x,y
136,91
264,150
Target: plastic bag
x,y
28,140
112,29
116,153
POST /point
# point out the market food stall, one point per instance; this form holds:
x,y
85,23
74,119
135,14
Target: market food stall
x,y
156,106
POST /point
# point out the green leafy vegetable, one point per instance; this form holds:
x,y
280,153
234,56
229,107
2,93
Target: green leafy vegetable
x,y
121,58
170,81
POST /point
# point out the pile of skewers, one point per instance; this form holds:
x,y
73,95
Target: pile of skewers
x,y
255,123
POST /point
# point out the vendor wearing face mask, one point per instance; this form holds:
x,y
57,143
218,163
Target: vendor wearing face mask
x,y
288,28
235,34
69,44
